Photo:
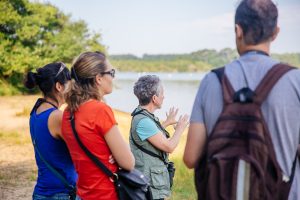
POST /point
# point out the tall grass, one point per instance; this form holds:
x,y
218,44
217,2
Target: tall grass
x,y
183,187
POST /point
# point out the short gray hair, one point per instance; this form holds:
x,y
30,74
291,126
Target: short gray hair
x,y
146,87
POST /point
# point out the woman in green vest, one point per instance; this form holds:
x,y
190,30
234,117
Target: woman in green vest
x,y
150,143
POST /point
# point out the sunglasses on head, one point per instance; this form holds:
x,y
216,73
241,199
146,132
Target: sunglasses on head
x,y
62,67
111,72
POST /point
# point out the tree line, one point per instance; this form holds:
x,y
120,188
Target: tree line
x,y
202,60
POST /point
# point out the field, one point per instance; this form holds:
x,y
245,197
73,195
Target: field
x,y
17,166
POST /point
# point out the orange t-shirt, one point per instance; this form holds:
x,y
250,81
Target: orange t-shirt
x,y
92,121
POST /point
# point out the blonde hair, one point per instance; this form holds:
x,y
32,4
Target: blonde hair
x,y
83,84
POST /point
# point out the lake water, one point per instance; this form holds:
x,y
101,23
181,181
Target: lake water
x,y
180,90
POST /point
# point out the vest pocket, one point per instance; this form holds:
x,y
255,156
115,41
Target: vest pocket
x,y
159,177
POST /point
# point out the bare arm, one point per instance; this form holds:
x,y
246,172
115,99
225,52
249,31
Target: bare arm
x,y
195,144
54,124
119,148
168,145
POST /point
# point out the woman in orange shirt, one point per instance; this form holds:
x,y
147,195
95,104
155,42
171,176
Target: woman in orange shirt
x,y
92,77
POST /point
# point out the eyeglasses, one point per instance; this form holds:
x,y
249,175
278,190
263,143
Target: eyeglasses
x,y
111,72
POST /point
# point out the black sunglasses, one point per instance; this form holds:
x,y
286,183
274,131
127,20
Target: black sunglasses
x,y
111,72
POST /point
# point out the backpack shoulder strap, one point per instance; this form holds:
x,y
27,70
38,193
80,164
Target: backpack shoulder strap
x,y
219,72
262,91
227,88
270,79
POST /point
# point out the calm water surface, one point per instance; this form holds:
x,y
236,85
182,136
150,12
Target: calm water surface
x,y
180,91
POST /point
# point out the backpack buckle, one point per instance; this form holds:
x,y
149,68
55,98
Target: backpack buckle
x,y
285,178
244,95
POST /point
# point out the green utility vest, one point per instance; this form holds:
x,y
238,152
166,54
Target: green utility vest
x,y
151,166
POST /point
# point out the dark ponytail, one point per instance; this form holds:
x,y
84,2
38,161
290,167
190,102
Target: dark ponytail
x,y
46,77
30,80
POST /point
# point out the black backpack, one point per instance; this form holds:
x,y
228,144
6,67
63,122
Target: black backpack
x,y
239,161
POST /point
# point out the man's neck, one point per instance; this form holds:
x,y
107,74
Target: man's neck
x,y
264,47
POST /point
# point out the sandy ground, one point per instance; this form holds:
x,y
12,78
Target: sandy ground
x,y
17,165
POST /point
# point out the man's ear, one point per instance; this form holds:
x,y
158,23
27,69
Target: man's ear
x,y
238,31
274,36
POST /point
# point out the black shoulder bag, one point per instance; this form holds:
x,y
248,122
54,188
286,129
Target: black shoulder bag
x,y
170,165
70,187
130,185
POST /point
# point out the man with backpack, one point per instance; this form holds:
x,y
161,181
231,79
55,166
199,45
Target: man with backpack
x,y
245,128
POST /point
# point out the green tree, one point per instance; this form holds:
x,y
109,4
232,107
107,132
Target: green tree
x,y
33,34
202,60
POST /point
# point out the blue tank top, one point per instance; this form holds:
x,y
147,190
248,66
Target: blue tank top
x,y
55,152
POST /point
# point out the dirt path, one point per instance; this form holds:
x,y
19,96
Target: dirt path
x,y
17,165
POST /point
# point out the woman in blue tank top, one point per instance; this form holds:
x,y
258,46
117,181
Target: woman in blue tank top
x,y
56,173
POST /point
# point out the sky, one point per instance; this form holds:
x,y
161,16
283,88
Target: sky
x,y
174,26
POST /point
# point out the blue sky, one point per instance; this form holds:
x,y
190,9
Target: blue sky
x,y
174,26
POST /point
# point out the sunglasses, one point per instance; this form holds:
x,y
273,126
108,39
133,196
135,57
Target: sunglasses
x,y
111,72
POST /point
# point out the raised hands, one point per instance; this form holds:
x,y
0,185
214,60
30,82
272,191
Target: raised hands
x,y
182,123
171,117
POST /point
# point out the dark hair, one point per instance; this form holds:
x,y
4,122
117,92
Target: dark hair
x,y
258,20
146,87
46,77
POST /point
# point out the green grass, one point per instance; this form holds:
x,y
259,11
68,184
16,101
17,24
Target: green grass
x,y
183,187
